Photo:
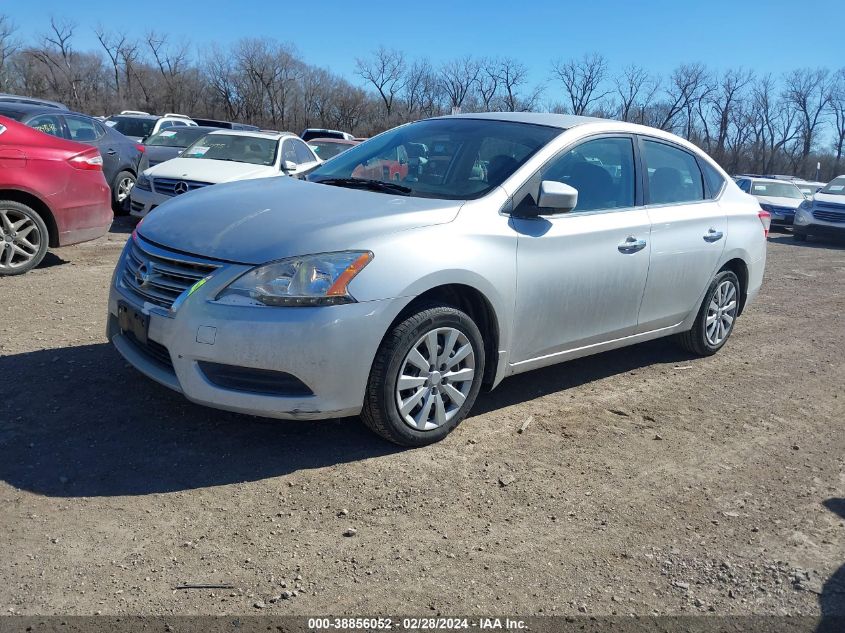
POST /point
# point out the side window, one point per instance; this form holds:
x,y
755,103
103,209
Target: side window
x,y
602,170
165,124
81,129
303,154
177,123
47,123
715,181
673,174
289,152
744,184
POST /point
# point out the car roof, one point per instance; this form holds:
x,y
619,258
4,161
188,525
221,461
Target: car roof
x,y
562,121
760,179
7,97
252,133
136,116
342,141
29,108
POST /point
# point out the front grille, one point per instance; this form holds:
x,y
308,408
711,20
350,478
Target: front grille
x,y
159,276
168,186
827,214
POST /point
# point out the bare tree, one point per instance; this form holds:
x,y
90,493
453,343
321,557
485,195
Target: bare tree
x,y
413,88
723,100
385,70
513,75
8,46
583,80
636,90
837,103
686,87
809,91
457,78
488,82
57,55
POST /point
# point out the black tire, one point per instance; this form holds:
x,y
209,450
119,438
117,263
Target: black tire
x,y
38,236
121,208
695,340
381,411
800,237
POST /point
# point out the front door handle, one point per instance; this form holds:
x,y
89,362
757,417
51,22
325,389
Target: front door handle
x,y
713,235
631,245
111,152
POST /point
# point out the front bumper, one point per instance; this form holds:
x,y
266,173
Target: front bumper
x,y
329,349
783,218
820,230
141,201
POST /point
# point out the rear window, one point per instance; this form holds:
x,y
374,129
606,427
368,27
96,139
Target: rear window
x,y
132,126
327,149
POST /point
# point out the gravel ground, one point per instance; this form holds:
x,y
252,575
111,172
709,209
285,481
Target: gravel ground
x,y
645,482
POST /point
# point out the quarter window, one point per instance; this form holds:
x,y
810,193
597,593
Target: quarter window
x,y
303,154
715,180
81,129
673,174
602,170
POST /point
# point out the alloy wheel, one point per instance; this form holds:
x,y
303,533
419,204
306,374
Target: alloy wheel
x,y
124,187
435,378
721,313
20,239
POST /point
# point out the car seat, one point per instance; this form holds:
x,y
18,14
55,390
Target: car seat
x,y
665,185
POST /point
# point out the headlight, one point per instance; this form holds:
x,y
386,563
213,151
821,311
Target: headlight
x,y
311,280
807,205
143,183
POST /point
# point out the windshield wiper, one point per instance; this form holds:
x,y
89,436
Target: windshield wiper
x,y
371,185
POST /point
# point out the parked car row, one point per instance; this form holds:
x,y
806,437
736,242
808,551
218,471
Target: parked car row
x,y
820,213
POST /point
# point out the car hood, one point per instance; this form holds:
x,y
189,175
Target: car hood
x,y
789,203
829,198
210,170
258,221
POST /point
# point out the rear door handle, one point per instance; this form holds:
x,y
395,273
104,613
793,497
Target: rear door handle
x,y
111,152
713,235
631,245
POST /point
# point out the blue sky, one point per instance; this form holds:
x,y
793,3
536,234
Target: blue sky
x,y
765,36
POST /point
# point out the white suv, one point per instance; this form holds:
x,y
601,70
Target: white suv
x,y
140,125
222,156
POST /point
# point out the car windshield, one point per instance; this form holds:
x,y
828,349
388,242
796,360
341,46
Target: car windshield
x,y
328,149
835,187
131,126
237,148
776,190
181,137
451,158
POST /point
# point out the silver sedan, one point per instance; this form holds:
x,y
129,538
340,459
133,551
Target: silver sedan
x,y
433,260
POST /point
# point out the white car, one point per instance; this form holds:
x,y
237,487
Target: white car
x,y
222,156
781,198
141,125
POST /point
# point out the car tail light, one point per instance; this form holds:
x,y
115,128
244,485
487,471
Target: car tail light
x,y
89,159
765,220
141,148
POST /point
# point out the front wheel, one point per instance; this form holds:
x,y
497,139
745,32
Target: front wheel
x,y
716,317
425,377
23,238
120,191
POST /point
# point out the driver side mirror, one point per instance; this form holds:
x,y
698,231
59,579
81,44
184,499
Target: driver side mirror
x,y
557,196
289,166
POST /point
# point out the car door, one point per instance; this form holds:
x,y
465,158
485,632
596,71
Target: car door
x,y
688,233
297,153
85,130
581,275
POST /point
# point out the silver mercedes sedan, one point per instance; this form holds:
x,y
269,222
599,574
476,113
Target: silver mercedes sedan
x,y
433,260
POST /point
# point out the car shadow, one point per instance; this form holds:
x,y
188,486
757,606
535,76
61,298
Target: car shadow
x,y
832,597
542,382
78,421
50,260
810,242
123,224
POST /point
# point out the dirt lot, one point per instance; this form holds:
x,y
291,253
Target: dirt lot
x,y
646,481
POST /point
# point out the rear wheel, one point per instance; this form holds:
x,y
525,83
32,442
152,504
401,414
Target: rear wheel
x,y
23,238
121,188
716,317
425,377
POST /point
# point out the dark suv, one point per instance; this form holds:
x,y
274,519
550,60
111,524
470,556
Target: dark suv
x,y
120,154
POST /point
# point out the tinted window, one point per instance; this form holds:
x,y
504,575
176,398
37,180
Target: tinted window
x,y
454,159
81,129
48,124
132,126
601,170
776,189
328,149
714,179
673,174
303,154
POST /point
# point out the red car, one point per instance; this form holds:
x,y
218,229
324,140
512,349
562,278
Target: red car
x,y
52,193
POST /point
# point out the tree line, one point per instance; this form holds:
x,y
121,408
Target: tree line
x,y
748,122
